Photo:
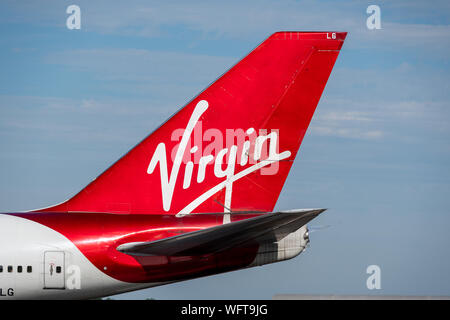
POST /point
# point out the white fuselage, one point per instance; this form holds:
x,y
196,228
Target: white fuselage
x,y
40,263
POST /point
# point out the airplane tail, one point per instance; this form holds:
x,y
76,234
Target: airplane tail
x,y
231,147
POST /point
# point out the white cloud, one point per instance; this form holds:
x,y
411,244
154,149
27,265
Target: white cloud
x,y
366,119
250,19
83,120
158,74
344,116
343,132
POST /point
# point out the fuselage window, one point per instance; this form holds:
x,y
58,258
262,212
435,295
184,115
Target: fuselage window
x,y
20,269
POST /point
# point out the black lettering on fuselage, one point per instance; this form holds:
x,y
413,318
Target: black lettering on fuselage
x,y
9,292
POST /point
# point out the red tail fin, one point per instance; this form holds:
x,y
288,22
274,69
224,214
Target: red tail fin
x,y
232,146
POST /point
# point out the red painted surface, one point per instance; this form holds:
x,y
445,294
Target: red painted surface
x,y
97,235
276,87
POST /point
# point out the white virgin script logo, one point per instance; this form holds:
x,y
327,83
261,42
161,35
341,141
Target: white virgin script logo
x,y
168,182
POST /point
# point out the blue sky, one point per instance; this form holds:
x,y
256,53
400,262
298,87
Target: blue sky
x,y
376,153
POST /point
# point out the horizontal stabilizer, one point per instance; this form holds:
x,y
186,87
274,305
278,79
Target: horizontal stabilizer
x,y
272,226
